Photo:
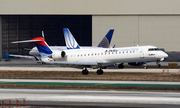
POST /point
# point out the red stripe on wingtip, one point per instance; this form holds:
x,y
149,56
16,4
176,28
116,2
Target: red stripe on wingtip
x,y
40,42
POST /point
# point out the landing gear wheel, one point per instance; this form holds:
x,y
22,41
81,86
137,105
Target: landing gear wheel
x,y
121,66
99,72
145,67
158,65
85,72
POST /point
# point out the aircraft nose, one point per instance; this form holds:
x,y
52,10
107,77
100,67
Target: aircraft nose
x,y
162,55
165,55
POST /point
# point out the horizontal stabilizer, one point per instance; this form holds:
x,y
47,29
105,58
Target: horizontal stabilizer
x,y
21,56
27,41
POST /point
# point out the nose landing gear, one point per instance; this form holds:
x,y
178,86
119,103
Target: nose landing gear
x,y
158,65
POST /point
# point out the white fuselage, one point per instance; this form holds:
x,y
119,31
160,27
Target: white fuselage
x,y
111,55
34,50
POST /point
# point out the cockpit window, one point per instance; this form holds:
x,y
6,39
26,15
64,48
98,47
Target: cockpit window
x,y
153,49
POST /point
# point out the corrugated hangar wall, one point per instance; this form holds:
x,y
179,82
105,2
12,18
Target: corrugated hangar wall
x,y
26,27
161,31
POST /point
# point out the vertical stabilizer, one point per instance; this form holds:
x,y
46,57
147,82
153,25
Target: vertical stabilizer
x,y
105,42
70,41
42,47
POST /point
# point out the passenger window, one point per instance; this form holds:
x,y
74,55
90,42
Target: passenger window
x,y
84,54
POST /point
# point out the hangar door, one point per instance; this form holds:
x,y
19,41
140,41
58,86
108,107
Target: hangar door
x,y
26,27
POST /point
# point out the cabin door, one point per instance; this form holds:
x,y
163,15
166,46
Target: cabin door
x,y
141,53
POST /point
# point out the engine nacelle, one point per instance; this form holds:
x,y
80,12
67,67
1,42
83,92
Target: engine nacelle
x,y
136,63
57,55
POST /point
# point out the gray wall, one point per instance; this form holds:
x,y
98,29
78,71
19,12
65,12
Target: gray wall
x,y
89,7
160,31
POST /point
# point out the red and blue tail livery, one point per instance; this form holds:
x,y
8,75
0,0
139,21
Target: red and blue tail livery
x,y
42,46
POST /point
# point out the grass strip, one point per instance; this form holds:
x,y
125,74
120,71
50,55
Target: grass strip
x,y
122,76
111,88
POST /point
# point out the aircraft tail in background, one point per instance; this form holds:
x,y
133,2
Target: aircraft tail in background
x,y
105,42
70,41
42,47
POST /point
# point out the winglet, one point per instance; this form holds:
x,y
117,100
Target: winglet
x,y
105,42
70,41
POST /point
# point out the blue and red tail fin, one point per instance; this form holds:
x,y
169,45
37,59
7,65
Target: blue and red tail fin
x,y
41,45
70,41
105,42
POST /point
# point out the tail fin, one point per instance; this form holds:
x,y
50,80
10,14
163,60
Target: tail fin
x,y
105,43
41,45
70,41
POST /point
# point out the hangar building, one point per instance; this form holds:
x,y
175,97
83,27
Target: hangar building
x,y
142,22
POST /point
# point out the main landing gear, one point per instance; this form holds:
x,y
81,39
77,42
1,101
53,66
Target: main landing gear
x,y
99,72
145,65
85,71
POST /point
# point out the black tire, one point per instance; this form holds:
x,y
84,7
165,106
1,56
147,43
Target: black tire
x,y
85,72
120,66
99,72
158,65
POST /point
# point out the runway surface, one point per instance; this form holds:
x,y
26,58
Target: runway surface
x,y
89,98
93,97
91,82
18,68
32,65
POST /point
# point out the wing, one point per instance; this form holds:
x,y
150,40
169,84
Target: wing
x,y
28,57
80,64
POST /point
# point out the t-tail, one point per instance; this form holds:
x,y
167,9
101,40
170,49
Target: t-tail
x,y
70,41
42,47
105,42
